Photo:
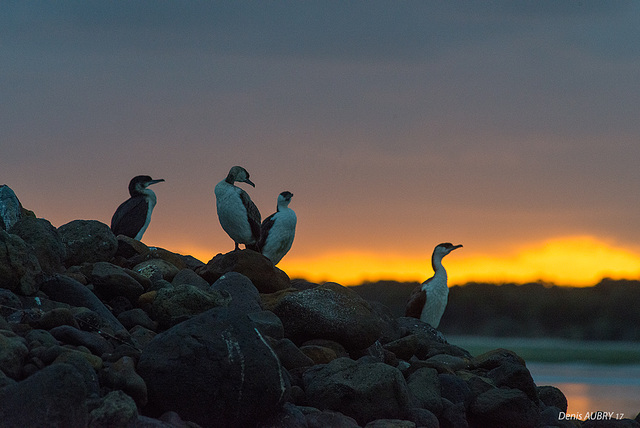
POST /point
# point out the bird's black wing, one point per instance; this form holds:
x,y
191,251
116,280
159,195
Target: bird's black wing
x,y
266,226
253,215
129,217
416,302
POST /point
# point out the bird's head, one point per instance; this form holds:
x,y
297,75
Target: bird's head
x,y
238,173
443,249
284,198
141,182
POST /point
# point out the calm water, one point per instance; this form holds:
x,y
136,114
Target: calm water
x,y
593,387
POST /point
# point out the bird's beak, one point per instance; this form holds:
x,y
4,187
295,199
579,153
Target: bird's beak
x,y
456,247
155,181
249,182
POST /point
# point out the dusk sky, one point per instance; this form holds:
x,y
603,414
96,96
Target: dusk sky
x,y
511,127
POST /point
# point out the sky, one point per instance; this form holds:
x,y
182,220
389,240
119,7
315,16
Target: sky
x,y
509,127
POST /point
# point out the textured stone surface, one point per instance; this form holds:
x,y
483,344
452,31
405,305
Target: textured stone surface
x,y
329,311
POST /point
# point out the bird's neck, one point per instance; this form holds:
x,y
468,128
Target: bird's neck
x,y
282,206
438,269
149,195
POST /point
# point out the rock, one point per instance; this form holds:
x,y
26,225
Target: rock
x,y
122,375
37,337
111,281
188,276
390,423
173,305
454,415
222,356
13,352
552,396
244,295
319,354
90,340
130,247
261,272
409,346
288,417
512,375
45,241
87,241
454,388
424,387
19,267
55,318
503,408
495,358
142,335
9,303
116,409
414,326
67,290
136,317
363,391
329,311
69,356
80,361
267,323
446,363
148,267
330,418
10,208
52,397
290,355
422,418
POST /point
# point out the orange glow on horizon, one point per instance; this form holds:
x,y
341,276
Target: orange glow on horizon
x,y
574,261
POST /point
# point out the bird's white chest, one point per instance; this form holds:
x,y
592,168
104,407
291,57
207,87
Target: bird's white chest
x,y
231,212
437,295
281,235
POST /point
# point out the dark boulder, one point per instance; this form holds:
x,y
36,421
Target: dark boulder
x,y
226,373
244,295
10,208
67,290
45,241
52,397
260,270
19,268
329,311
552,396
424,386
504,408
13,352
87,241
176,304
512,375
111,281
361,390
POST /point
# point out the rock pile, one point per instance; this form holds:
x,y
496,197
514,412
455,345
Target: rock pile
x,y
103,331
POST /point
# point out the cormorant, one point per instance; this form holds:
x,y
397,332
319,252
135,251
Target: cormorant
x,y
278,230
238,215
428,301
133,216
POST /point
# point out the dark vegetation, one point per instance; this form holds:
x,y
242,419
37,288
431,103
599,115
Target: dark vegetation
x,y
610,310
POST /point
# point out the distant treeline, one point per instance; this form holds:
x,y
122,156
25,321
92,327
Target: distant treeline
x,y
609,310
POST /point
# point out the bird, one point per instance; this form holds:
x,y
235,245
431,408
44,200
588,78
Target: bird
x,y
237,213
133,216
428,301
278,230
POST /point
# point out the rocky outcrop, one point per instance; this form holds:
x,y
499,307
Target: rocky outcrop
x,y
99,331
